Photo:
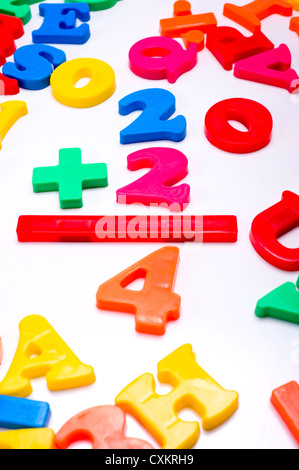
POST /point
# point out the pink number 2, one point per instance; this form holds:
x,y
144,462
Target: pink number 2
x,y
169,166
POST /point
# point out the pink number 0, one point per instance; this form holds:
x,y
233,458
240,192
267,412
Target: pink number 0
x,y
169,166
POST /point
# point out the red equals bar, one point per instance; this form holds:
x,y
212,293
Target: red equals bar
x,y
95,229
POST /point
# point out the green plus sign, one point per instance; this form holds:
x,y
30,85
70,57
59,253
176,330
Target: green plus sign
x,y
70,177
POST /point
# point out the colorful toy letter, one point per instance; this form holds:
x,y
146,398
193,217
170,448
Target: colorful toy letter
x,y
157,58
34,65
282,303
59,26
158,105
10,29
104,426
156,303
41,352
295,4
251,114
70,177
100,87
20,9
273,223
228,45
18,413
250,15
190,28
8,86
294,24
96,5
271,67
193,388
286,401
10,112
27,439
169,166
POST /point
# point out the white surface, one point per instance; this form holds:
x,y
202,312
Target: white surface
x,y
219,284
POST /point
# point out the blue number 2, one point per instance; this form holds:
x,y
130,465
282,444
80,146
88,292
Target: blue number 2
x,y
158,105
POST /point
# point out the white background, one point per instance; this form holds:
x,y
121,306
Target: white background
x,y
219,284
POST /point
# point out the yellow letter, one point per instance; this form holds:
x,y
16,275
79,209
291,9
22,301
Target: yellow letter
x,y
41,352
193,388
27,439
10,112
100,87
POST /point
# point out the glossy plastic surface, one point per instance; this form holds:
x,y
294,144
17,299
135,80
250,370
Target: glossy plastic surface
x,y
286,401
10,112
10,29
18,413
27,439
8,86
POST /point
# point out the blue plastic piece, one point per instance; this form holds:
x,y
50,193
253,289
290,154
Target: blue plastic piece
x,y
59,26
19,413
158,105
34,65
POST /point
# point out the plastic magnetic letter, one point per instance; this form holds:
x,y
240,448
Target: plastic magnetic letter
x,y
34,65
169,166
70,177
59,26
157,58
294,24
41,352
10,112
228,45
271,67
158,105
100,87
18,413
193,388
10,29
17,8
104,426
97,5
156,303
282,303
27,439
286,401
8,86
254,116
191,28
295,4
272,224
250,15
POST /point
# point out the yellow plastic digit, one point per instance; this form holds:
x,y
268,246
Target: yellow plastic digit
x,y
10,112
193,388
99,88
27,439
41,352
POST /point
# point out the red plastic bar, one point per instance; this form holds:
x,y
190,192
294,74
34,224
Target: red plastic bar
x,y
286,401
93,229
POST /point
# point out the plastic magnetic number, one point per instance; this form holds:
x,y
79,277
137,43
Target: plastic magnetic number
x,y
34,65
8,86
228,45
97,5
41,352
273,223
193,388
250,15
100,87
254,116
104,426
286,401
59,26
191,28
157,105
10,29
157,58
18,413
282,303
10,112
156,303
169,166
271,67
27,439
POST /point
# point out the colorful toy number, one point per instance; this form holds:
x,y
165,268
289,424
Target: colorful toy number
x,y
169,166
158,105
157,58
